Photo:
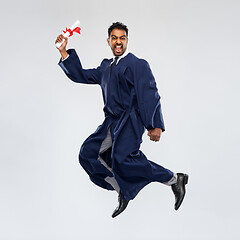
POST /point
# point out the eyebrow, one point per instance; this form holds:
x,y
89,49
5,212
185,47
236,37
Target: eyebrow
x,y
117,36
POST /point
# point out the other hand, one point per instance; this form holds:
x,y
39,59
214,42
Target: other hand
x,y
155,134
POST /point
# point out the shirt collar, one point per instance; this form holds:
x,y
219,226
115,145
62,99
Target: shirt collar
x,y
120,57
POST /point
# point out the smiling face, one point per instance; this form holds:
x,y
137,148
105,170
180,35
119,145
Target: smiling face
x,y
118,41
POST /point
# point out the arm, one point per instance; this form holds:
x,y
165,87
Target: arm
x,y
148,100
72,66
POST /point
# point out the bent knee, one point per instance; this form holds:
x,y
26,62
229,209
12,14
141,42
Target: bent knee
x,y
81,157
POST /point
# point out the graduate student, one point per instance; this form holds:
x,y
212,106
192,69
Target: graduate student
x,y
111,155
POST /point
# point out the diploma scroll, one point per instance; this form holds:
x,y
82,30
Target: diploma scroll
x,y
69,32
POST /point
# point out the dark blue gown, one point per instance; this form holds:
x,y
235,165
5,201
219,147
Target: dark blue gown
x,y
131,104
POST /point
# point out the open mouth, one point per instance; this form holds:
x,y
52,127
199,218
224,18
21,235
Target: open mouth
x,y
118,48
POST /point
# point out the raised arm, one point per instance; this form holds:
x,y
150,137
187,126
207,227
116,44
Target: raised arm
x,y
72,66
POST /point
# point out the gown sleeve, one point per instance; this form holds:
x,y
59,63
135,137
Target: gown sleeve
x,y
148,98
73,69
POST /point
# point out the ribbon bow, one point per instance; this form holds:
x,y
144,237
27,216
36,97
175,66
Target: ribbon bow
x,y
77,30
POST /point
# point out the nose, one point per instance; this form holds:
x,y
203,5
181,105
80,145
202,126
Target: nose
x,y
118,41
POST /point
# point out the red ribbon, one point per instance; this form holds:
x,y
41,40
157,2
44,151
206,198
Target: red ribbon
x,y
77,30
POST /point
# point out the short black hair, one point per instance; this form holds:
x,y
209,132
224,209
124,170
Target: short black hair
x,y
117,25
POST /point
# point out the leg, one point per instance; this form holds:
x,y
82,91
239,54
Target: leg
x,y
89,160
131,168
104,157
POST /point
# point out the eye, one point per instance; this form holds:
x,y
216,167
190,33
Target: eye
x,y
114,38
123,38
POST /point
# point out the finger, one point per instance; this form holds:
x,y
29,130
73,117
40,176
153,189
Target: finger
x,y
156,138
58,39
61,37
152,138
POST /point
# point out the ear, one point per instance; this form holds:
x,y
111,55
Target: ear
x,y
108,41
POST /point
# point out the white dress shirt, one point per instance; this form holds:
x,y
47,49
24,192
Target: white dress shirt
x,y
120,57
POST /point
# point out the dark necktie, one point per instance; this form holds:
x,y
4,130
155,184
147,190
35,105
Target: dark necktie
x,y
115,62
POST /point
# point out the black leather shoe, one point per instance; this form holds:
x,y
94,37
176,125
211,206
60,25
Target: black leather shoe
x,y
179,189
121,206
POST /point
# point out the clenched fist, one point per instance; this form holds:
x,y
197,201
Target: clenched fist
x,y
155,134
62,48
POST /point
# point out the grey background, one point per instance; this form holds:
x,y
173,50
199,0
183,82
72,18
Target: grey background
x,y
193,50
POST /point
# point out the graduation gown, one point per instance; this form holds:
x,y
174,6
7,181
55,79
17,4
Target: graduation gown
x,y
131,105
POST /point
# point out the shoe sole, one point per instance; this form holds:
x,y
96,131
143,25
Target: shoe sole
x,y
186,179
117,212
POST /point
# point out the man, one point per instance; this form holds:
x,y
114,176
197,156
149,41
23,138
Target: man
x,y
111,155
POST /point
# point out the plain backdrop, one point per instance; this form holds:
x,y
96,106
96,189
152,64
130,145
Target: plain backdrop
x,y
193,50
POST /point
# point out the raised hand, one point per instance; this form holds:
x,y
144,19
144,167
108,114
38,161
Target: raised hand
x,y
62,48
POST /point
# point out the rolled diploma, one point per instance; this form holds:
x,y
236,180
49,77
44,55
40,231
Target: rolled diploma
x,y
76,24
